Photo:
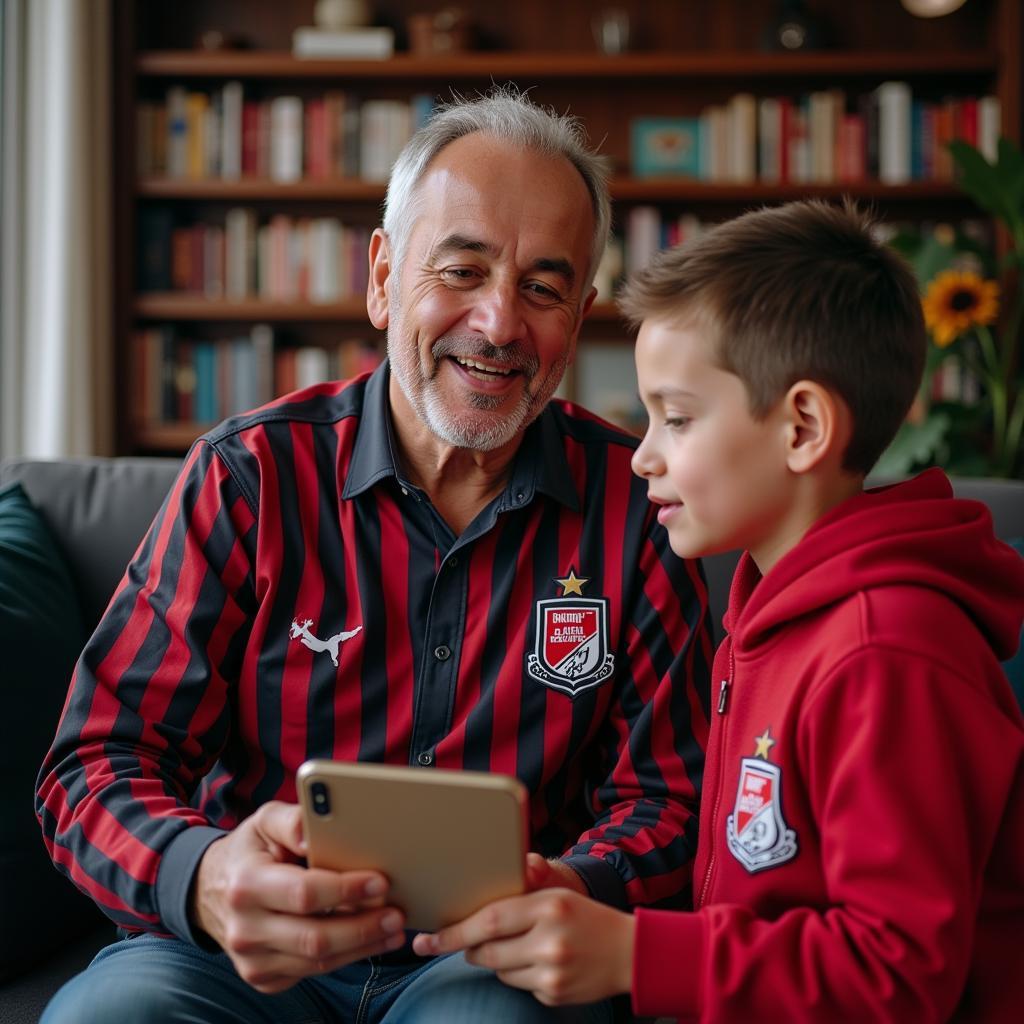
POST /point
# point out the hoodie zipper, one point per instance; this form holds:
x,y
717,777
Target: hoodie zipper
x,y
722,709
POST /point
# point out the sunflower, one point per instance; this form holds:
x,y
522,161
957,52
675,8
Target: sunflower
x,y
957,300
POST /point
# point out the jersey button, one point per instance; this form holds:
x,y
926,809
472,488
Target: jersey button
x,y
426,758
442,653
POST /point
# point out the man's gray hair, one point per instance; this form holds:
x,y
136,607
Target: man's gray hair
x,y
503,114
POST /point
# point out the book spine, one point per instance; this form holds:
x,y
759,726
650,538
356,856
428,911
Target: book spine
x,y
989,127
286,138
894,133
232,106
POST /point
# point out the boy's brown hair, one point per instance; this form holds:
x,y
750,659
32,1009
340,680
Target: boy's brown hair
x,y
800,291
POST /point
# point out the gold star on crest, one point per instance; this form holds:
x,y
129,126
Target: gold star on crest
x,y
764,744
572,584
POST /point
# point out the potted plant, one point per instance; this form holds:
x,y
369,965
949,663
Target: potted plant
x,y
972,423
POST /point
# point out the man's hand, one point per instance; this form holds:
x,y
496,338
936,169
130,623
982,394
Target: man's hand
x,y
278,921
560,945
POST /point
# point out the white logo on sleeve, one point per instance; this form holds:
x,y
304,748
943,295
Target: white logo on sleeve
x,y
756,832
303,635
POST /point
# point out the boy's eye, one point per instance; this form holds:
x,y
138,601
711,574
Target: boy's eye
x,y
676,422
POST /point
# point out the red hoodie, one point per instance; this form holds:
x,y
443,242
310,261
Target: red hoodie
x,y
862,827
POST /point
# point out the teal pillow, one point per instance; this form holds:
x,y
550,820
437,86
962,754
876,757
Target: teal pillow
x,y
41,636
1014,668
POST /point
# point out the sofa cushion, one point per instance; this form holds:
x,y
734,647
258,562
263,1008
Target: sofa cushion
x,y
41,635
98,510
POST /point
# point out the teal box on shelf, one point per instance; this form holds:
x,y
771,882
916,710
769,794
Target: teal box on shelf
x,y
665,147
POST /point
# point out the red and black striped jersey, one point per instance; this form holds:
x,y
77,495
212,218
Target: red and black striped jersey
x,y
297,597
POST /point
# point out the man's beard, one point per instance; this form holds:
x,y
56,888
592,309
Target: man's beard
x,y
466,430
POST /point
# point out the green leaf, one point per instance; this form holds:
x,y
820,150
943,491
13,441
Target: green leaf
x,y
980,180
915,445
1010,172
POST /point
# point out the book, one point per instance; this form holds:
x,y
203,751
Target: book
x,y
665,146
286,138
742,127
894,133
231,131
177,132
156,227
362,43
989,122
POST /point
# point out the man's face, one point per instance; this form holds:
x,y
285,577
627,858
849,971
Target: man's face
x,y
719,476
484,312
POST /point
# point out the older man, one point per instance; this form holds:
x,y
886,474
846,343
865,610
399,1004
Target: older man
x,y
422,519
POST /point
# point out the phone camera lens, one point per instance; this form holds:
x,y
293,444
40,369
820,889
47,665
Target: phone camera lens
x,y
321,801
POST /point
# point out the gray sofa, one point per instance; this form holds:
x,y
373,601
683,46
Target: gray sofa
x,y
98,510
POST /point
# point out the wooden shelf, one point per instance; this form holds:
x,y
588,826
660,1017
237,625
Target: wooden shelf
x,y
555,65
238,189
189,307
168,437
632,189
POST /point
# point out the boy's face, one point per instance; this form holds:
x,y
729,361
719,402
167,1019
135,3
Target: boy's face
x,y
719,476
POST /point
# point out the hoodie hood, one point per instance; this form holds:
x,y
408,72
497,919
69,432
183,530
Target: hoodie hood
x,y
911,533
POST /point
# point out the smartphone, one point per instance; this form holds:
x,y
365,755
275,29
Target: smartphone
x,y
448,841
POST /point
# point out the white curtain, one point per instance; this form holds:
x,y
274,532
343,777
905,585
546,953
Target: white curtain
x,y
56,373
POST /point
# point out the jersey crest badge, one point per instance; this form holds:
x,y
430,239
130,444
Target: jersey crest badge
x,y
571,650
756,831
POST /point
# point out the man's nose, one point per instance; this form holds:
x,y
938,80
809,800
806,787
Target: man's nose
x,y
498,313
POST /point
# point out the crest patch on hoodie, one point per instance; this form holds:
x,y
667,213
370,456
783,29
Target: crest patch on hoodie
x,y
756,831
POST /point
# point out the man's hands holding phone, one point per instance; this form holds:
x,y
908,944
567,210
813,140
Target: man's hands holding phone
x,y
279,921
555,941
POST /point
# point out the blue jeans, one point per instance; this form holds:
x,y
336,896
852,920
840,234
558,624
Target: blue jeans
x,y
166,981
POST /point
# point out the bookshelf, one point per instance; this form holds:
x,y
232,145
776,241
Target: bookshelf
x,y
685,58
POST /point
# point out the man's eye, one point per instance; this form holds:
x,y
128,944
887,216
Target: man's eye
x,y
459,275
542,293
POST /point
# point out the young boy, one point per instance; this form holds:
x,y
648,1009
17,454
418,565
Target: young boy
x,y
861,849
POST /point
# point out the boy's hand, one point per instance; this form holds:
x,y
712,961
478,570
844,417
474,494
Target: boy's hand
x,y
551,874
278,921
562,946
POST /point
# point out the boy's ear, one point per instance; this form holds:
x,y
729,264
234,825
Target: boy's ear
x,y
817,426
377,285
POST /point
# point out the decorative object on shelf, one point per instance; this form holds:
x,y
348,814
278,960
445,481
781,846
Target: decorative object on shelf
x,y
445,31
794,28
970,417
611,30
216,39
334,15
665,146
343,30
931,8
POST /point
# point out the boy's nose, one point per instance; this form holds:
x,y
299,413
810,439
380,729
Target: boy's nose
x,y
498,314
645,462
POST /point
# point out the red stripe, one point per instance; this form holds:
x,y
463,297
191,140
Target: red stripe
x,y
348,697
269,552
508,691
299,659
400,667
451,750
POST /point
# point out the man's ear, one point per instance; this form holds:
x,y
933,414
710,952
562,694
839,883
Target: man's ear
x,y
377,285
817,425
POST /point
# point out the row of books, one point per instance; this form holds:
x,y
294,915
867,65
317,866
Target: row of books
x,y
223,134
822,137
180,378
313,259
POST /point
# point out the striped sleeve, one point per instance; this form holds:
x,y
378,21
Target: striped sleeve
x,y
644,797
146,714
